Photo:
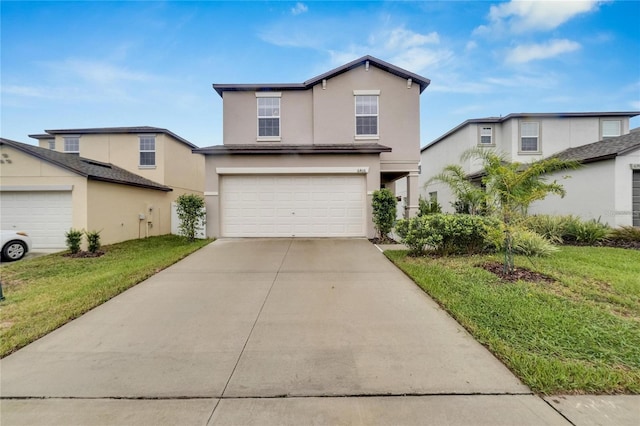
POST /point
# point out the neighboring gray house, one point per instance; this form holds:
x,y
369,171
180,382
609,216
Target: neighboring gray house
x,y
601,189
607,187
303,159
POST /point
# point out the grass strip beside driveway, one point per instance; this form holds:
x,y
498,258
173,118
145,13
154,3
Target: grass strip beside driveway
x,y
46,292
579,334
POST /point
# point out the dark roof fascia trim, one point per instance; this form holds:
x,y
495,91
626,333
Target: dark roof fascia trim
x,y
491,120
116,130
40,136
378,63
220,88
138,185
290,151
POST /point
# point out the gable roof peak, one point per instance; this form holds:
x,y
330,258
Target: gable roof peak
x,y
373,61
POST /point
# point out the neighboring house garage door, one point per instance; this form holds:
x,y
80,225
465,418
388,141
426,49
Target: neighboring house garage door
x,y
293,206
44,215
636,198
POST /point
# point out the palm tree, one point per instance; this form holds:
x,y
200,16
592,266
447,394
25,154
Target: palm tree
x,y
467,193
512,187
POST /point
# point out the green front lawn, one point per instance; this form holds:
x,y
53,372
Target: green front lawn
x,y
46,292
579,334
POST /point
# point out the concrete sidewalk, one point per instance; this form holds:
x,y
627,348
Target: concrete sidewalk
x,y
277,331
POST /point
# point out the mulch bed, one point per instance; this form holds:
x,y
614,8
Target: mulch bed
x,y
383,241
523,274
84,254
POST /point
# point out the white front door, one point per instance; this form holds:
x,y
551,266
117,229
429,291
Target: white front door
x,y
293,206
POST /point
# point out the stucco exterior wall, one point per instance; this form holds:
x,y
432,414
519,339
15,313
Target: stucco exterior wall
x,y
240,118
398,113
29,172
183,170
623,189
299,162
589,193
115,211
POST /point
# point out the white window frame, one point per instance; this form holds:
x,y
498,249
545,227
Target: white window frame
x,y
52,144
144,139
603,135
491,135
68,140
369,93
537,136
276,115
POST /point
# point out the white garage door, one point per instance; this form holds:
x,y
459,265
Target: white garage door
x,y
44,215
293,206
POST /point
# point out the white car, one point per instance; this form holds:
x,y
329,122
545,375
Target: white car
x,y
15,245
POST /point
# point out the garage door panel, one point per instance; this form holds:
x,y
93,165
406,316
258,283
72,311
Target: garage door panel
x,y
293,205
45,215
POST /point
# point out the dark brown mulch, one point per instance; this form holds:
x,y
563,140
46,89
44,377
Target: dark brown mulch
x,y
523,274
383,241
634,245
85,254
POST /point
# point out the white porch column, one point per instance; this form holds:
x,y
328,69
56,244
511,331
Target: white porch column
x,y
411,207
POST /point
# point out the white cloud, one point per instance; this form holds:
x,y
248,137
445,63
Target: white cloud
x,y
534,15
99,72
402,47
531,52
401,38
299,8
471,45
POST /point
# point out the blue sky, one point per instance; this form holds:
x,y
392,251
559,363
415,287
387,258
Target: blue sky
x,y
101,64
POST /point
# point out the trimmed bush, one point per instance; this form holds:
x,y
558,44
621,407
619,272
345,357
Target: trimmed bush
x,y
446,233
384,211
192,214
553,228
74,240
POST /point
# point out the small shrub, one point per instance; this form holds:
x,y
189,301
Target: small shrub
x,y
93,241
416,233
74,240
447,233
384,211
553,228
191,212
426,207
530,243
625,234
587,233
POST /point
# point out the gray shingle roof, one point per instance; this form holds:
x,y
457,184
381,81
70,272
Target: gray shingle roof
x,y
602,150
111,130
363,148
378,63
91,169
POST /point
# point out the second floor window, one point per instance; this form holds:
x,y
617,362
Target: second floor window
x,y
147,151
486,135
529,136
52,145
611,128
268,117
366,115
72,144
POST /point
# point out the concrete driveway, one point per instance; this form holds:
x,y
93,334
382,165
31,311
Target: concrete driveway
x,y
267,331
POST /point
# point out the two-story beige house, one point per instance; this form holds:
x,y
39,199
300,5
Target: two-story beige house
x,y
119,181
602,189
303,159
